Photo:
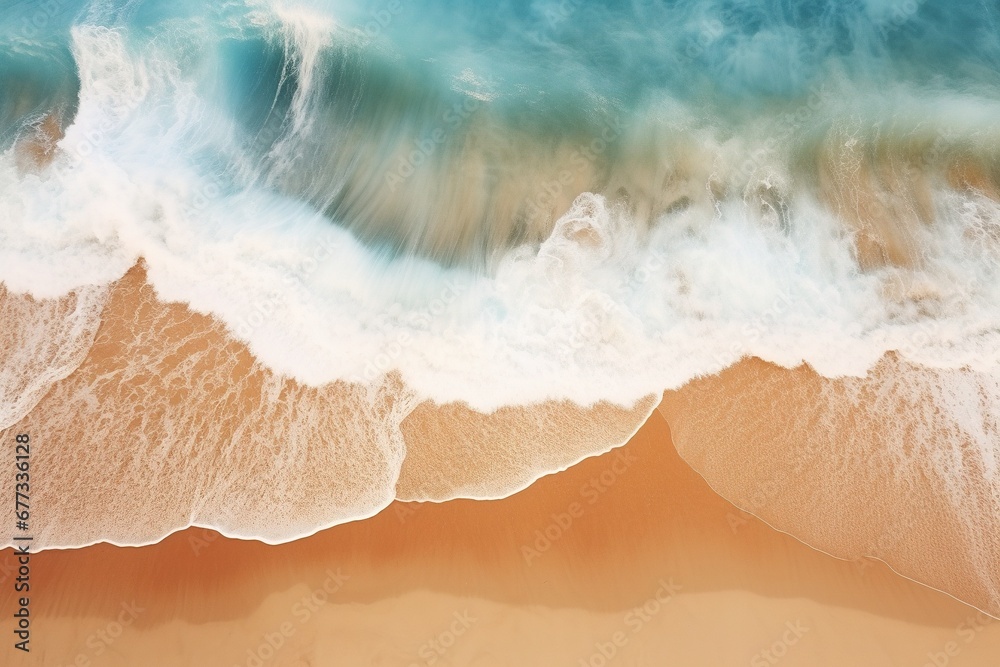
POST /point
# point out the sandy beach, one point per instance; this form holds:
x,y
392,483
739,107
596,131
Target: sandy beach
x,y
629,553
443,333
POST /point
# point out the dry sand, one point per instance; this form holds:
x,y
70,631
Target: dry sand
x,y
451,584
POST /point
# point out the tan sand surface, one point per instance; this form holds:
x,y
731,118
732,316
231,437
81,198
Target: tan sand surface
x,y
649,566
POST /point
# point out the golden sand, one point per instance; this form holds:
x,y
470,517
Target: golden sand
x,y
856,466
630,553
639,551
206,434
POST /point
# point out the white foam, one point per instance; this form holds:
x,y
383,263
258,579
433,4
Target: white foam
x,y
596,312
43,343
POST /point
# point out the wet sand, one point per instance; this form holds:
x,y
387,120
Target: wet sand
x,y
898,464
648,565
208,435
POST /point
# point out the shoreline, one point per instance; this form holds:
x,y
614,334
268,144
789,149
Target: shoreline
x,y
413,565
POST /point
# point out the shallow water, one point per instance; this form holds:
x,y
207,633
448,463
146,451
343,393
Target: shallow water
x,y
291,231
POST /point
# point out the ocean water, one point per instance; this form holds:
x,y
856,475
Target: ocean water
x,y
490,204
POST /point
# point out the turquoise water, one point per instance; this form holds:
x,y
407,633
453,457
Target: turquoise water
x,y
827,168
301,80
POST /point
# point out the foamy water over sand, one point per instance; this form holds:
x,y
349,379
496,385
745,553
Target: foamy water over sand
x,y
268,267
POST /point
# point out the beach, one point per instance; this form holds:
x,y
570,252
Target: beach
x,y
440,332
657,560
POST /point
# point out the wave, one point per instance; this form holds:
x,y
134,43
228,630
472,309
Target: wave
x,y
281,244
